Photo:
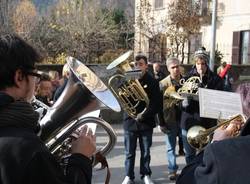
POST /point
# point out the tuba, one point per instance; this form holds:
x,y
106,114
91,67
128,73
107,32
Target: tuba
x,y
198,137
127,88
84,93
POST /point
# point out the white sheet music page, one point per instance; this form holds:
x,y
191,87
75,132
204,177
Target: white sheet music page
x,y
219,104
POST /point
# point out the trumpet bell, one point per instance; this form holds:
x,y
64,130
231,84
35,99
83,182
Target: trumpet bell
x,y
195,137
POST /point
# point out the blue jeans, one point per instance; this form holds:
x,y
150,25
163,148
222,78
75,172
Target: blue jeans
x,y
189,151
171,144
145,142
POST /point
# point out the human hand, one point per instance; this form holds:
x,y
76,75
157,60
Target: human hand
x,y
85,143
229,131
186,102
139,117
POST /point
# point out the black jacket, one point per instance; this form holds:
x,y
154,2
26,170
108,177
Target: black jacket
x,y
191,114
25,159
151,87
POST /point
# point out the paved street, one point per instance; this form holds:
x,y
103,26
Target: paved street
x,y
116,159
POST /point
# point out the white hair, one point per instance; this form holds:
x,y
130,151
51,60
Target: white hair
x,y
172,60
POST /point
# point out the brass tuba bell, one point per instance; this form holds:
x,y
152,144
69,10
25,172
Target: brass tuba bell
x,y
127,89
198,137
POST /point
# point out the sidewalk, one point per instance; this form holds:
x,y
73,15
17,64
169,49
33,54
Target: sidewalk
x,y
116,159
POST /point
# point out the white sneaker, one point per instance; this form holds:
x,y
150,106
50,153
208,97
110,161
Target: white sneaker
x,y
127,180
147,180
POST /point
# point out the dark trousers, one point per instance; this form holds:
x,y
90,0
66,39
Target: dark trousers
x,y
145,142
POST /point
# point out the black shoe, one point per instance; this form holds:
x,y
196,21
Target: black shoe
x,y
172,176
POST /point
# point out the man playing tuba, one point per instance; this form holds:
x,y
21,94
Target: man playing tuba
x,y
142,126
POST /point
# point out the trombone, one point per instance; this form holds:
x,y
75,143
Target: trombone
x,y
198,137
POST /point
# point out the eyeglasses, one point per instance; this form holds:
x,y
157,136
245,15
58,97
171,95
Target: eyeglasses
x,y
36,75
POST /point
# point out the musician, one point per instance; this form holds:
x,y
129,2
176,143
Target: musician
x,y
141,127
172,114
225,160
190,107
24,158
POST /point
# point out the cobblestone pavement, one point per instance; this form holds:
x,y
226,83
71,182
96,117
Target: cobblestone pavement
x,y
116,159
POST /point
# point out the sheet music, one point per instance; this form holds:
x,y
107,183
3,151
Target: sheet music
x,y
219,104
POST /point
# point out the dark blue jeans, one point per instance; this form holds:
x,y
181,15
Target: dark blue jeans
x,y
145,142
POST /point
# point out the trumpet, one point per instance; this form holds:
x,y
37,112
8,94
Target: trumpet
x,y
198,137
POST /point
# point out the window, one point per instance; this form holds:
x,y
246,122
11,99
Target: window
x,y
158,4
241,47
195,44
244,47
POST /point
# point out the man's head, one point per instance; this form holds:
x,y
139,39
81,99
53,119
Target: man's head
x,y
173,65
201,59
156,67
141,63
17,67
45,87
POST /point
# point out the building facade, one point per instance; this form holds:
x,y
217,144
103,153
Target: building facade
x,y
232,32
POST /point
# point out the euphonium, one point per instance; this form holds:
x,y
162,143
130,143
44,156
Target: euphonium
x,y
198,137
84,93
130,93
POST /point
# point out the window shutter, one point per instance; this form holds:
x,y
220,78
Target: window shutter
x,y
236,48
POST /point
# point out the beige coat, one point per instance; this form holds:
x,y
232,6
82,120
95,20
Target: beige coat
x,y
168,111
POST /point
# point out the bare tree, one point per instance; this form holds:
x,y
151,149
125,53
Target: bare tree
x,y
24,18
6,10
183,20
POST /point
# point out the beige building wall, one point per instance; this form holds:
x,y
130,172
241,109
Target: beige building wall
x,y
154,23
232,16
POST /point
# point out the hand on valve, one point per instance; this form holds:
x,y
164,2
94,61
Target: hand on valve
x,y
85,143
228,131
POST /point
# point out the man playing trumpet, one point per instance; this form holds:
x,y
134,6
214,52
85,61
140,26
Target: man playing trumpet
x,y
225,160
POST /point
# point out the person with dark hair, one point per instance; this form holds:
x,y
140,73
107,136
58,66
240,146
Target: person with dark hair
x,y
24,158
190,107
44,90
141,127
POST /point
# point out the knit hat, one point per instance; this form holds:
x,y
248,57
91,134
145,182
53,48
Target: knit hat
x,y
202,54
